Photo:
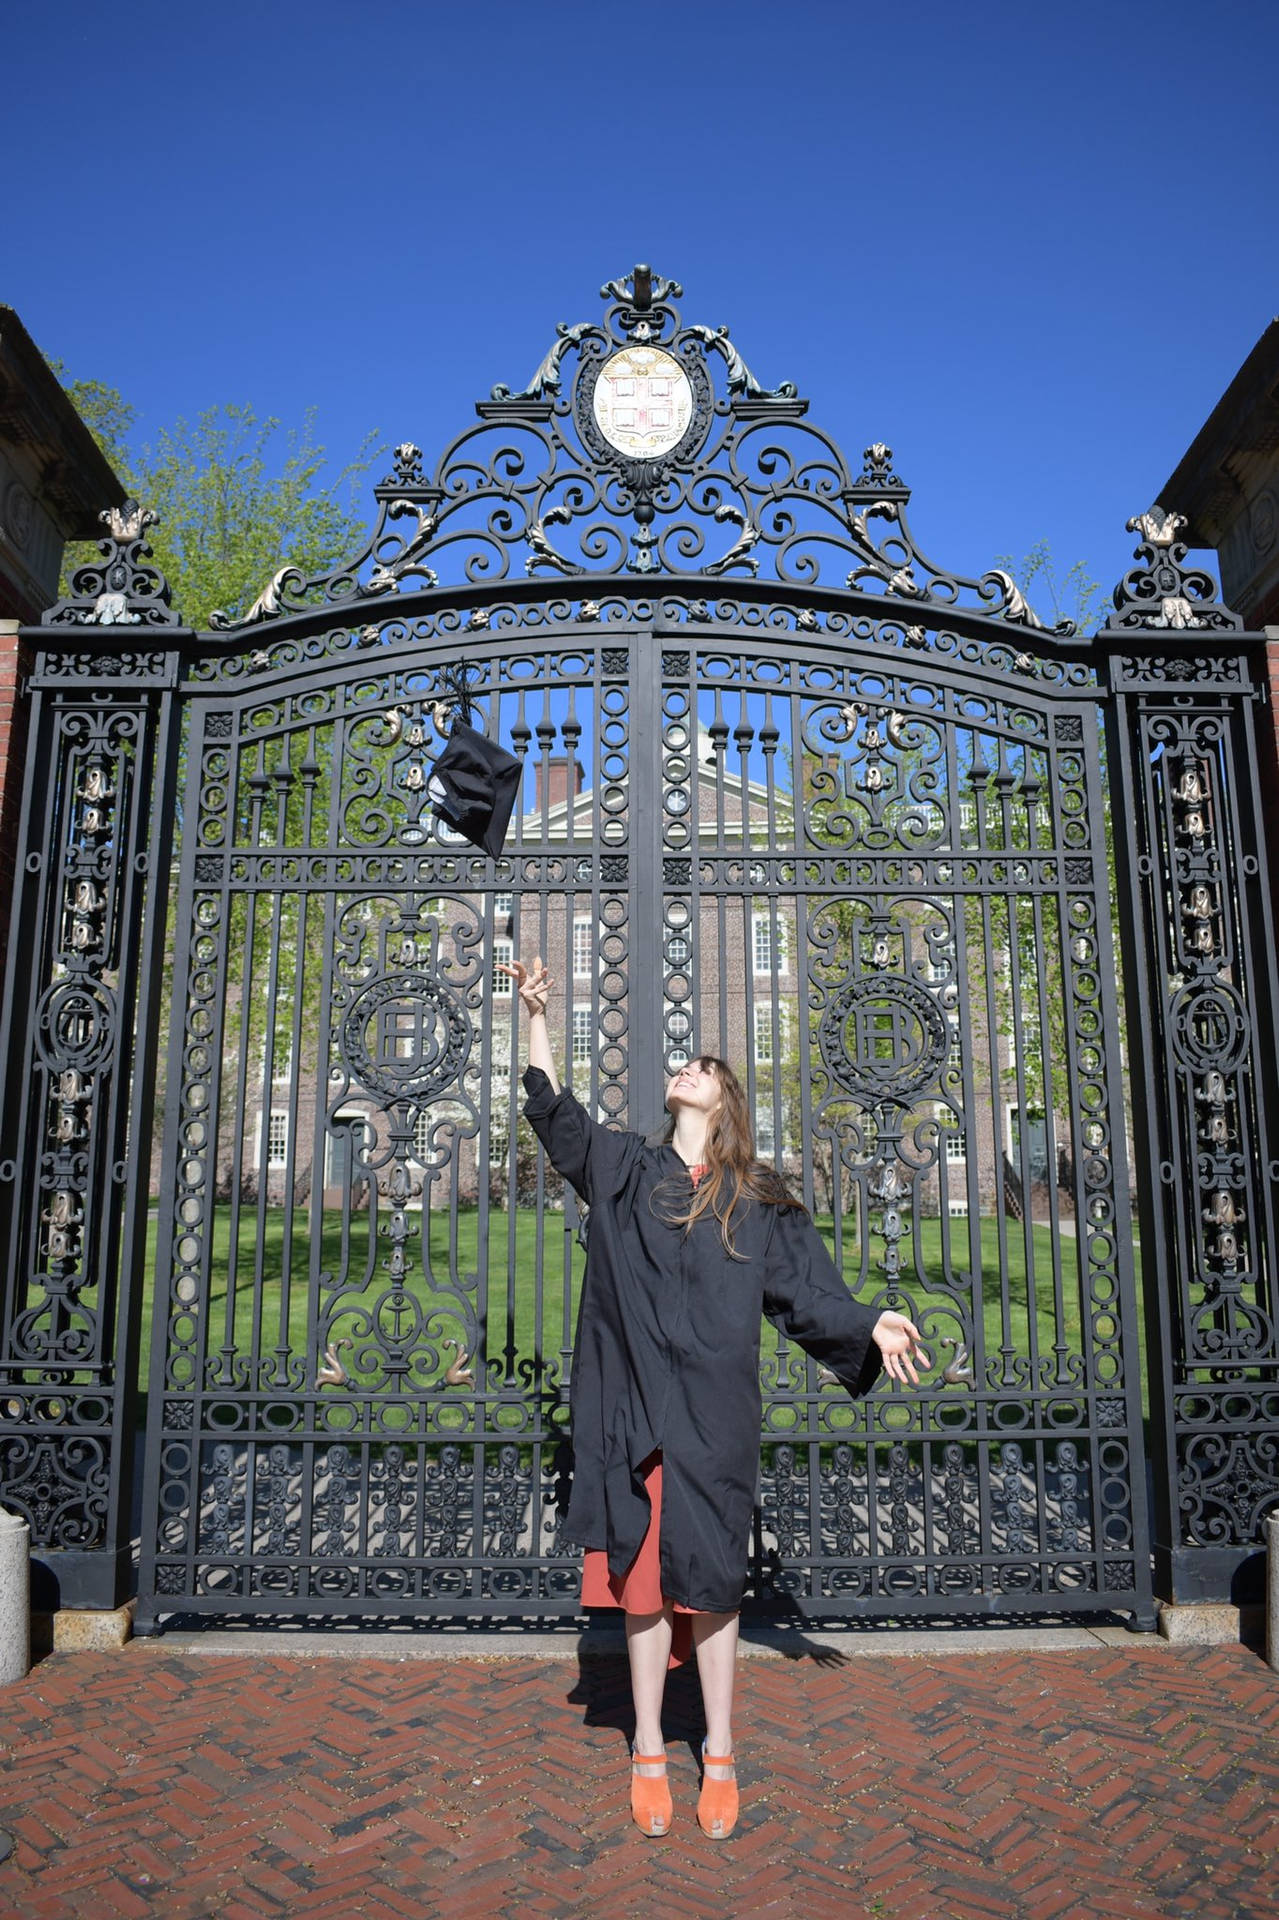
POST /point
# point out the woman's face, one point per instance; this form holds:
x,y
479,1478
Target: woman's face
x,y
694,1086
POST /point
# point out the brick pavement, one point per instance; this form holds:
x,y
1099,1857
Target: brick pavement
x,y
1139,1781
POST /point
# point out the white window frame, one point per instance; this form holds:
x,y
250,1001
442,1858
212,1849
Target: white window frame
x,y
278,1156
770,942
581,952
582,1036
771,1040
502,983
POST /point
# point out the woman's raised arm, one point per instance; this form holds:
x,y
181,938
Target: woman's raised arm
x,y
534,987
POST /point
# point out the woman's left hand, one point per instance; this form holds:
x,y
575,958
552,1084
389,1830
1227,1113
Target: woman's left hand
x,y
898,1339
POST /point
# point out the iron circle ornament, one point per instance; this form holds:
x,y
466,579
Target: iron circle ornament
x,y
75,1025
1209,1027
642,407
884,1038
406,1037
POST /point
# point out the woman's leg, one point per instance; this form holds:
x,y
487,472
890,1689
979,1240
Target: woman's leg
x,y
648,1647
715,1638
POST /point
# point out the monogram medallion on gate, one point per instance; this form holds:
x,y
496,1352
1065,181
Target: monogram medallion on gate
x,y
884,1038
405,1037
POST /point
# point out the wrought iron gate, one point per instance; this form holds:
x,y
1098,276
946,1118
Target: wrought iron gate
x,y
854,836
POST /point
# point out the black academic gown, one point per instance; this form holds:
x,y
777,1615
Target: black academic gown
x,y
667,1350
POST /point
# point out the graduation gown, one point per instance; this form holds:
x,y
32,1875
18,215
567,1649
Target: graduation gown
x,y
667,1350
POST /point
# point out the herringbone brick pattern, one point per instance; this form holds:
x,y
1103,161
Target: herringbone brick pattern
x,y
1135,1783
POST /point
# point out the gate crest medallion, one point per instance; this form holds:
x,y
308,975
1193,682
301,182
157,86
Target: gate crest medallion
x,y
884,1038
405,1037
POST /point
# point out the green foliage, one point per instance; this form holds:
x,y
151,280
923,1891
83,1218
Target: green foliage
x,y
237,498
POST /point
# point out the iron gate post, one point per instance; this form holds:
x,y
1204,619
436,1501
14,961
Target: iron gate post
x,y
77,1051
1198,932
78,1047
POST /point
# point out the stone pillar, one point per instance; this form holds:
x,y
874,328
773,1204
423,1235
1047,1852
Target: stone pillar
x,y
15,1598
1272,1590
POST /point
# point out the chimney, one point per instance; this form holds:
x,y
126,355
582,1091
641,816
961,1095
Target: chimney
x,y
554,775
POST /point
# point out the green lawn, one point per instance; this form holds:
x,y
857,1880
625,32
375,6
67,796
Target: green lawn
x,y
280,1292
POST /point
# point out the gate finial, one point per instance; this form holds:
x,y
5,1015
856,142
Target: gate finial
x,y
1163,591
641,289
120,590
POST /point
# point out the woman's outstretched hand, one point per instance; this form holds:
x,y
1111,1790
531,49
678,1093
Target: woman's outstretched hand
x,y
898,1340
532,984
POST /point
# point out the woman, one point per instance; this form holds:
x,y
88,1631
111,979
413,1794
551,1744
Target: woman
x,y
689,1242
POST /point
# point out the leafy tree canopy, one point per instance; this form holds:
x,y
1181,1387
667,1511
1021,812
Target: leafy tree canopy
x,y
237,498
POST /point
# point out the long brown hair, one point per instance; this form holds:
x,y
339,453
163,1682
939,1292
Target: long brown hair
x,y
733,1173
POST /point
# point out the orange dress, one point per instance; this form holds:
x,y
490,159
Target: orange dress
x,y
639,1589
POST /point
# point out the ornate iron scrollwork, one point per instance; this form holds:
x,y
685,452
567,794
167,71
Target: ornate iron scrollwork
x,y
644,446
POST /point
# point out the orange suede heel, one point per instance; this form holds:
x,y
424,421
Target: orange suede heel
x,y
650,1799
717,1802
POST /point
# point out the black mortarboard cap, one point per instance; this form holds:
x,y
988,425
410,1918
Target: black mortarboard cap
x,y
473,784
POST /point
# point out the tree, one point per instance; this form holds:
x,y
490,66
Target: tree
x,y
236,498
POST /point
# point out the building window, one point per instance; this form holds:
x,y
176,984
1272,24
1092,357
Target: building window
x,y
435,1130
503,953
765,1136
277,1140
770,1036
677,950
768,943
581,949
583,1035
503,905
956,1147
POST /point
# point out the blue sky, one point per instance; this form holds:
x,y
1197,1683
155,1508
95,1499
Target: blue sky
x,y
1027,246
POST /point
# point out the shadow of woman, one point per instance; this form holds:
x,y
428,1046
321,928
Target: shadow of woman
x,y
603,1691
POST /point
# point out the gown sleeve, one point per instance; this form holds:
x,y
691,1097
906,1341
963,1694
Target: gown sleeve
x,y
806,1298
595,1160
